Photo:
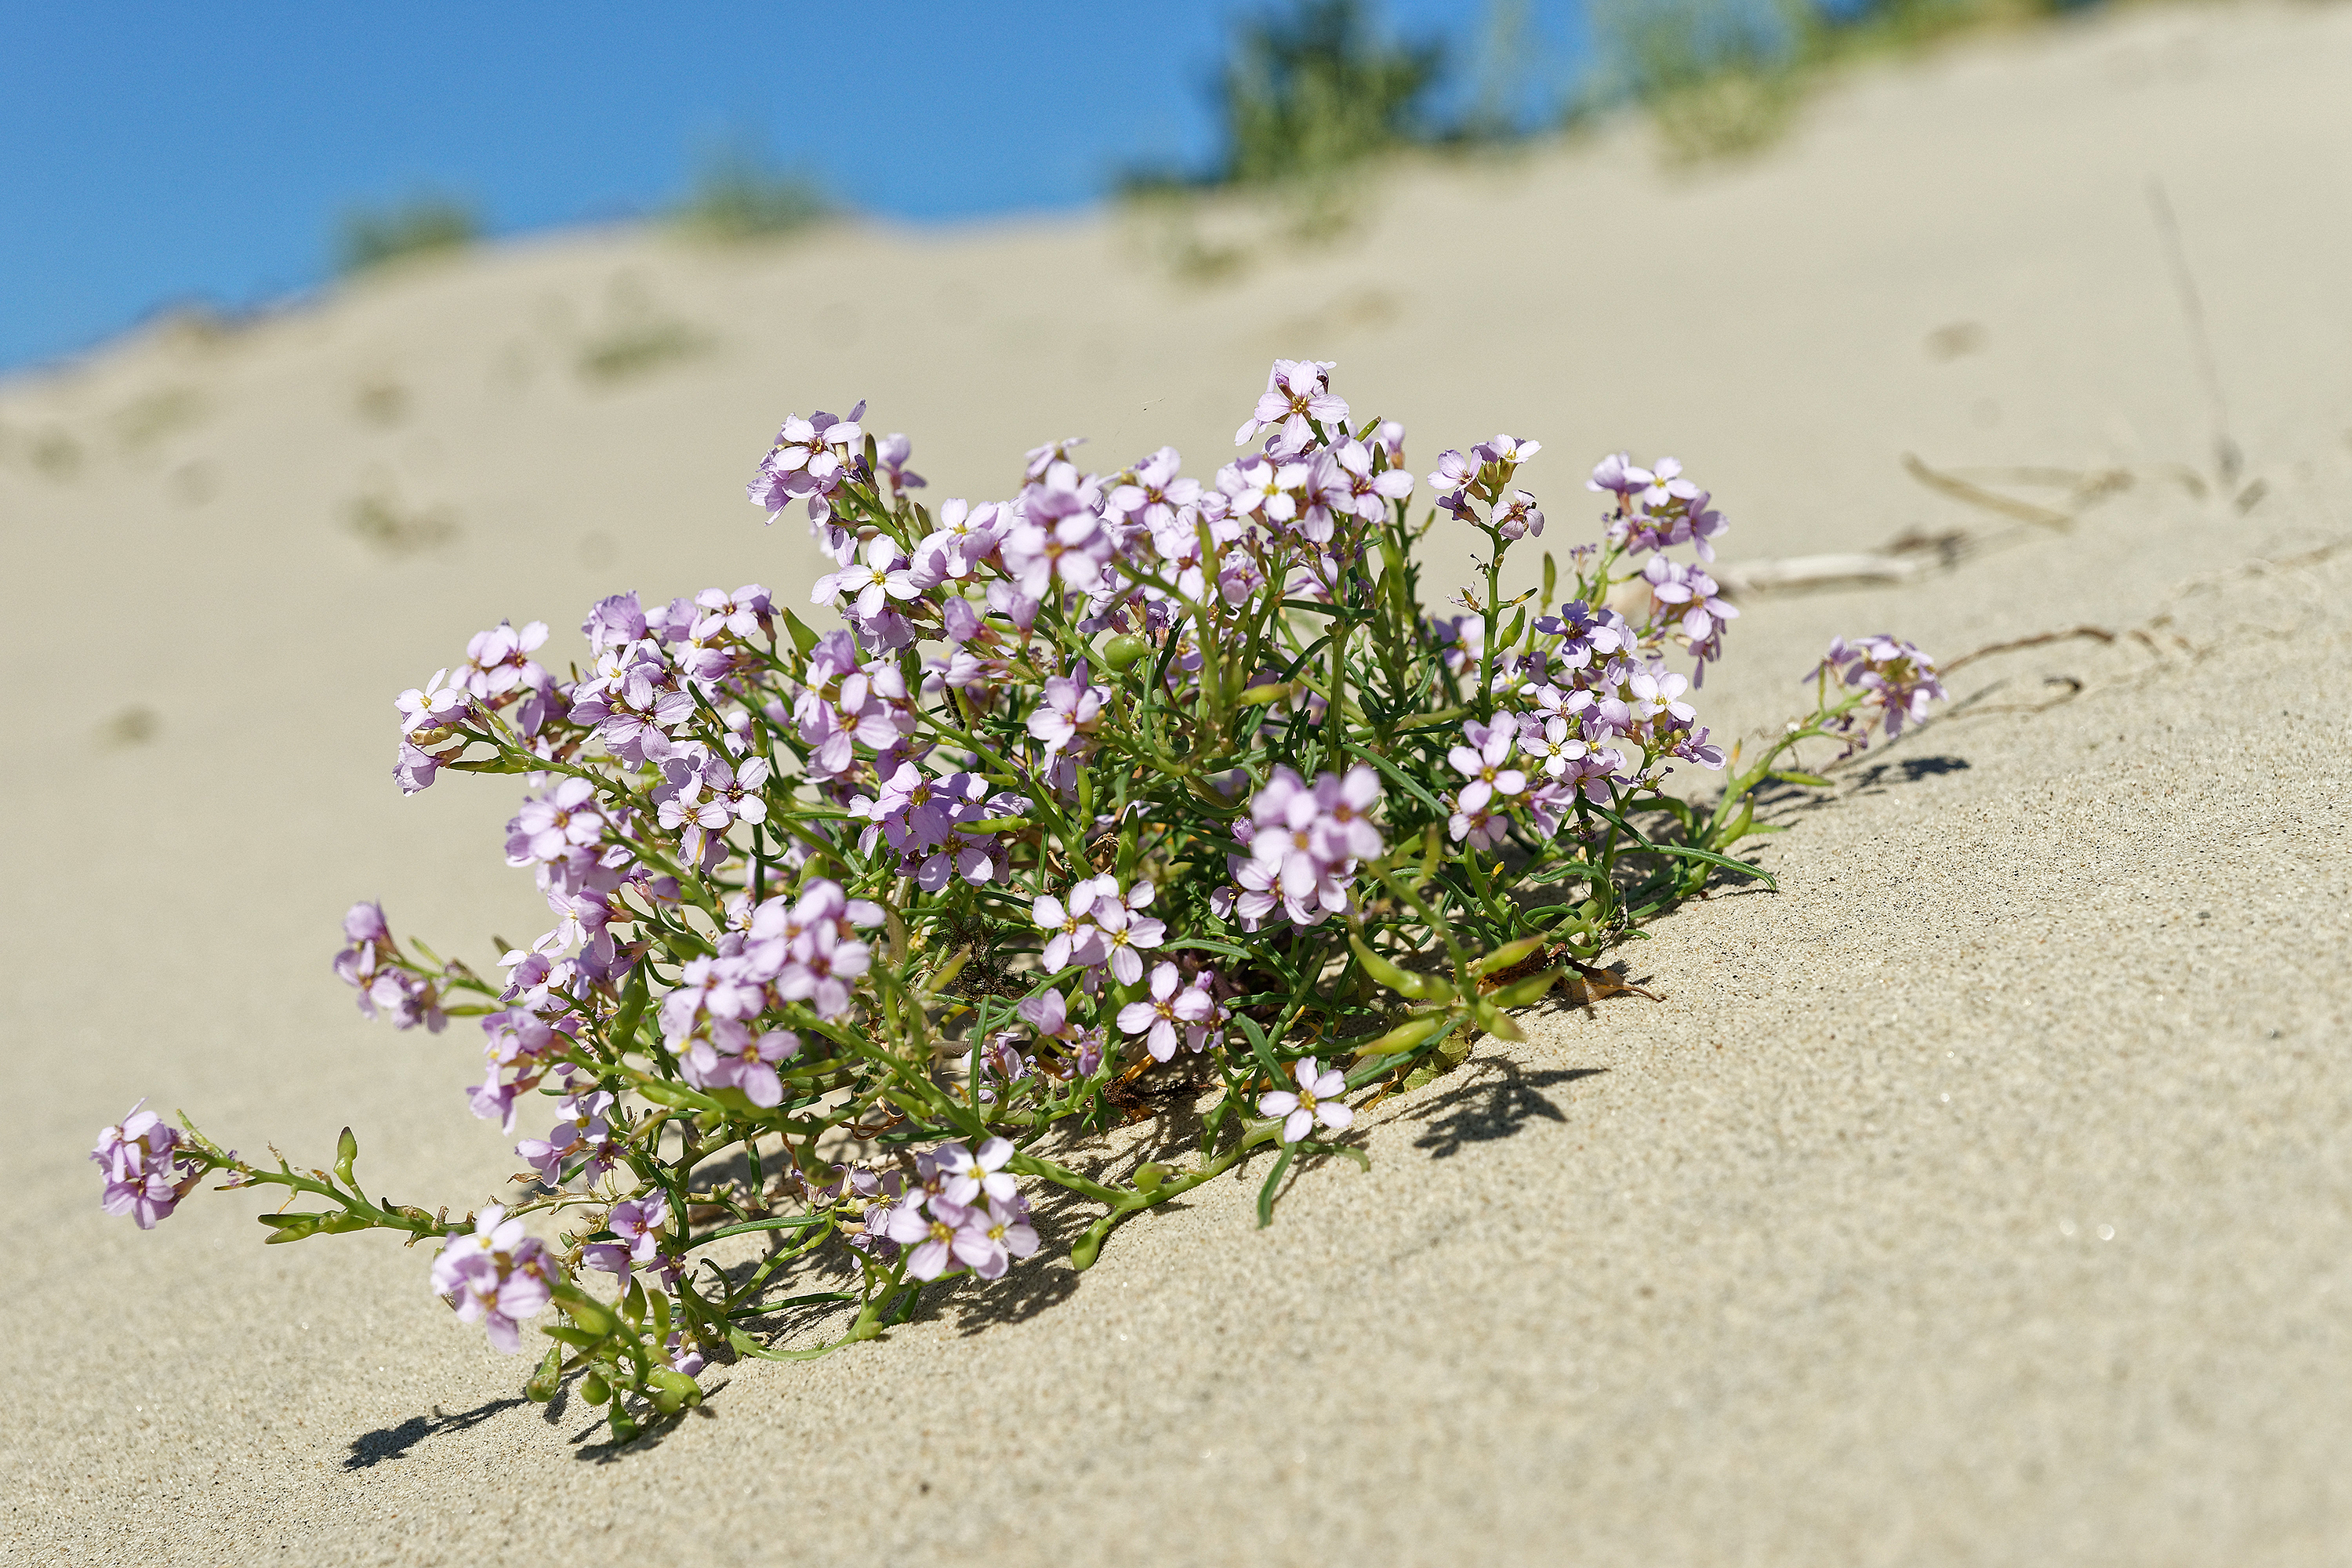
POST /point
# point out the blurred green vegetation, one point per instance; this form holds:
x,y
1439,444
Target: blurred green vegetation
x,y
1316,88
420,225
1312,88
1724,77
739,196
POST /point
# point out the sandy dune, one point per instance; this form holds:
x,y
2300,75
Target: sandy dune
x,y
1984,1196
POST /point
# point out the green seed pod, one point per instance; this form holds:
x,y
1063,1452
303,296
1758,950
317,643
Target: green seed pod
x,y
624,1425
586,1310
594,1389
347,1150
1509,953
1527,993
1405,1036
1495,1022
672,1389
803,637
1404,982
1124,650
542,1384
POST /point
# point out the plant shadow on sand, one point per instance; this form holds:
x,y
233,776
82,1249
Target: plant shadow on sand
x,y
1497,1102
371,1449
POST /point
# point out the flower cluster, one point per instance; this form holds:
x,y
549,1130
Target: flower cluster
x,y
1119,788
1896,679
389,984
495,1275
965,1212
147,1169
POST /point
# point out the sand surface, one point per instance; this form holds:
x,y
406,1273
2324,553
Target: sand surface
x,y
1983,1196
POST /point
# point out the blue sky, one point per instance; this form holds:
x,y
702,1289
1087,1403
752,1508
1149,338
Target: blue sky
x,y
163,152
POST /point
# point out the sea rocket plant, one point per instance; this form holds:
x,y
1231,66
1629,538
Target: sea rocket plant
x,y
1126,784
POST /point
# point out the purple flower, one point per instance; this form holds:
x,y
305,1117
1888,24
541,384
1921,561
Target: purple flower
x,y
806,464
1126,935
1484,767
1316,1101
1343,828
892,452
551,827
144,1177
1072,935
970,1175
1613,475
1550,806
1689,590
747,1064
426,712
939,1240
1042,458
1367,493
1901,680
639,1223
1550,742
1297,390
1585,633
1060,539
586,1130
1304,842
1505,451
1482,827
1171,1003
1520,516
1451,481
871,584
684,1355
1008,1233
498,662
1070,708
497,1277
1049,1015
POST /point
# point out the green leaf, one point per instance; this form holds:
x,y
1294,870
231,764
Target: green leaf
x,y
1273,1181
1259,1046
1813,780
1411,785
813,1298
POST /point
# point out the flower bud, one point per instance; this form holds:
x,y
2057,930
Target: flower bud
x,y
289,1226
